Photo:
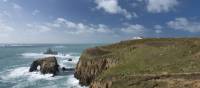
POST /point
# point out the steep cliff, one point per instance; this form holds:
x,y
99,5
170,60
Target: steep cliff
x,y
92,62
145,63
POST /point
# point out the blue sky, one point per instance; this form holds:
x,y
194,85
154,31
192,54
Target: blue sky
x,y
96,21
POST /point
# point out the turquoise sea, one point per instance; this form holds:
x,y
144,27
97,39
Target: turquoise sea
x,y
15,60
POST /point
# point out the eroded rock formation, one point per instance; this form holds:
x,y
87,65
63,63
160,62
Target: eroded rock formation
x,y
47,65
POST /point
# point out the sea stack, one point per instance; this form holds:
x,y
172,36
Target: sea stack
x,y
47,65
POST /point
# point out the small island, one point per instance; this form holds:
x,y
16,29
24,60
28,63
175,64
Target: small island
x,y
50,51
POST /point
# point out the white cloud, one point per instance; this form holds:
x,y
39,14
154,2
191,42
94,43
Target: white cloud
x,y
35,12
184,24
5,0
112,7
38,27
157,6
81,28
4,28
70,27
134,29
103,29
158,29
17,6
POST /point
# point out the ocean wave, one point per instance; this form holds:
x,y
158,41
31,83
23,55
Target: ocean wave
x,y
41,55
68,64
15,45
63,59
22,78
23,72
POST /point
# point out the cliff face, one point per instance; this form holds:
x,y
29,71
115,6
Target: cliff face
x,y
145,63
88,69
101,84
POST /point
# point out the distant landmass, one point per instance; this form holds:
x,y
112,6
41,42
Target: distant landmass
x,y
143,63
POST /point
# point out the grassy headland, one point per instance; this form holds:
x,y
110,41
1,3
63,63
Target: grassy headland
x,y
143,63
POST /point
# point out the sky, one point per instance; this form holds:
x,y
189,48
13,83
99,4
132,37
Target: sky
x,y
96,21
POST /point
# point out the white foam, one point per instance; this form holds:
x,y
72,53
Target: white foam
x,y
71,64
15,45
41,55
62,58
24,72
19,45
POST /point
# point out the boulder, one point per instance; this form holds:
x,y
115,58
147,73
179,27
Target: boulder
x,y
47,65
69,59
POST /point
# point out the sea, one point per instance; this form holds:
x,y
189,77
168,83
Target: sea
x,y
15,60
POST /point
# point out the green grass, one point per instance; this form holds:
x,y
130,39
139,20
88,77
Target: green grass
x,y
157,59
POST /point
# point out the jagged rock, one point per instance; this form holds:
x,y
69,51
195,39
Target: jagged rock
x,y
49,51
69,59
47,65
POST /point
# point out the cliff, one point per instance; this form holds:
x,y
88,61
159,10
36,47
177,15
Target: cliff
x,y
92,62
145,63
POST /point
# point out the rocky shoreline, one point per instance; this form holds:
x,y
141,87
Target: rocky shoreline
x,y
145,63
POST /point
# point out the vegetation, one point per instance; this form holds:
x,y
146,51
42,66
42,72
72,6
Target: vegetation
x,y
148,56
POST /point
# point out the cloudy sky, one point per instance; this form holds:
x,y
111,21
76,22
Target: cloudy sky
x,y
96,21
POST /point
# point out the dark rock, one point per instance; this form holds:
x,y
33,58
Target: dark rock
x,y
69,59
67,69
47,65
63,68
49,51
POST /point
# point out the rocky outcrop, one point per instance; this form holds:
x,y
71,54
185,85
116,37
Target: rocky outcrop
x,y
50,51
87,70
47,65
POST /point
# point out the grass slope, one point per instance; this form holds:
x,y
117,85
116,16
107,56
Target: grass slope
x,y
150,56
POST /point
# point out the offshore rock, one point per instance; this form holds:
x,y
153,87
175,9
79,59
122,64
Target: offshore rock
x,y
47,65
